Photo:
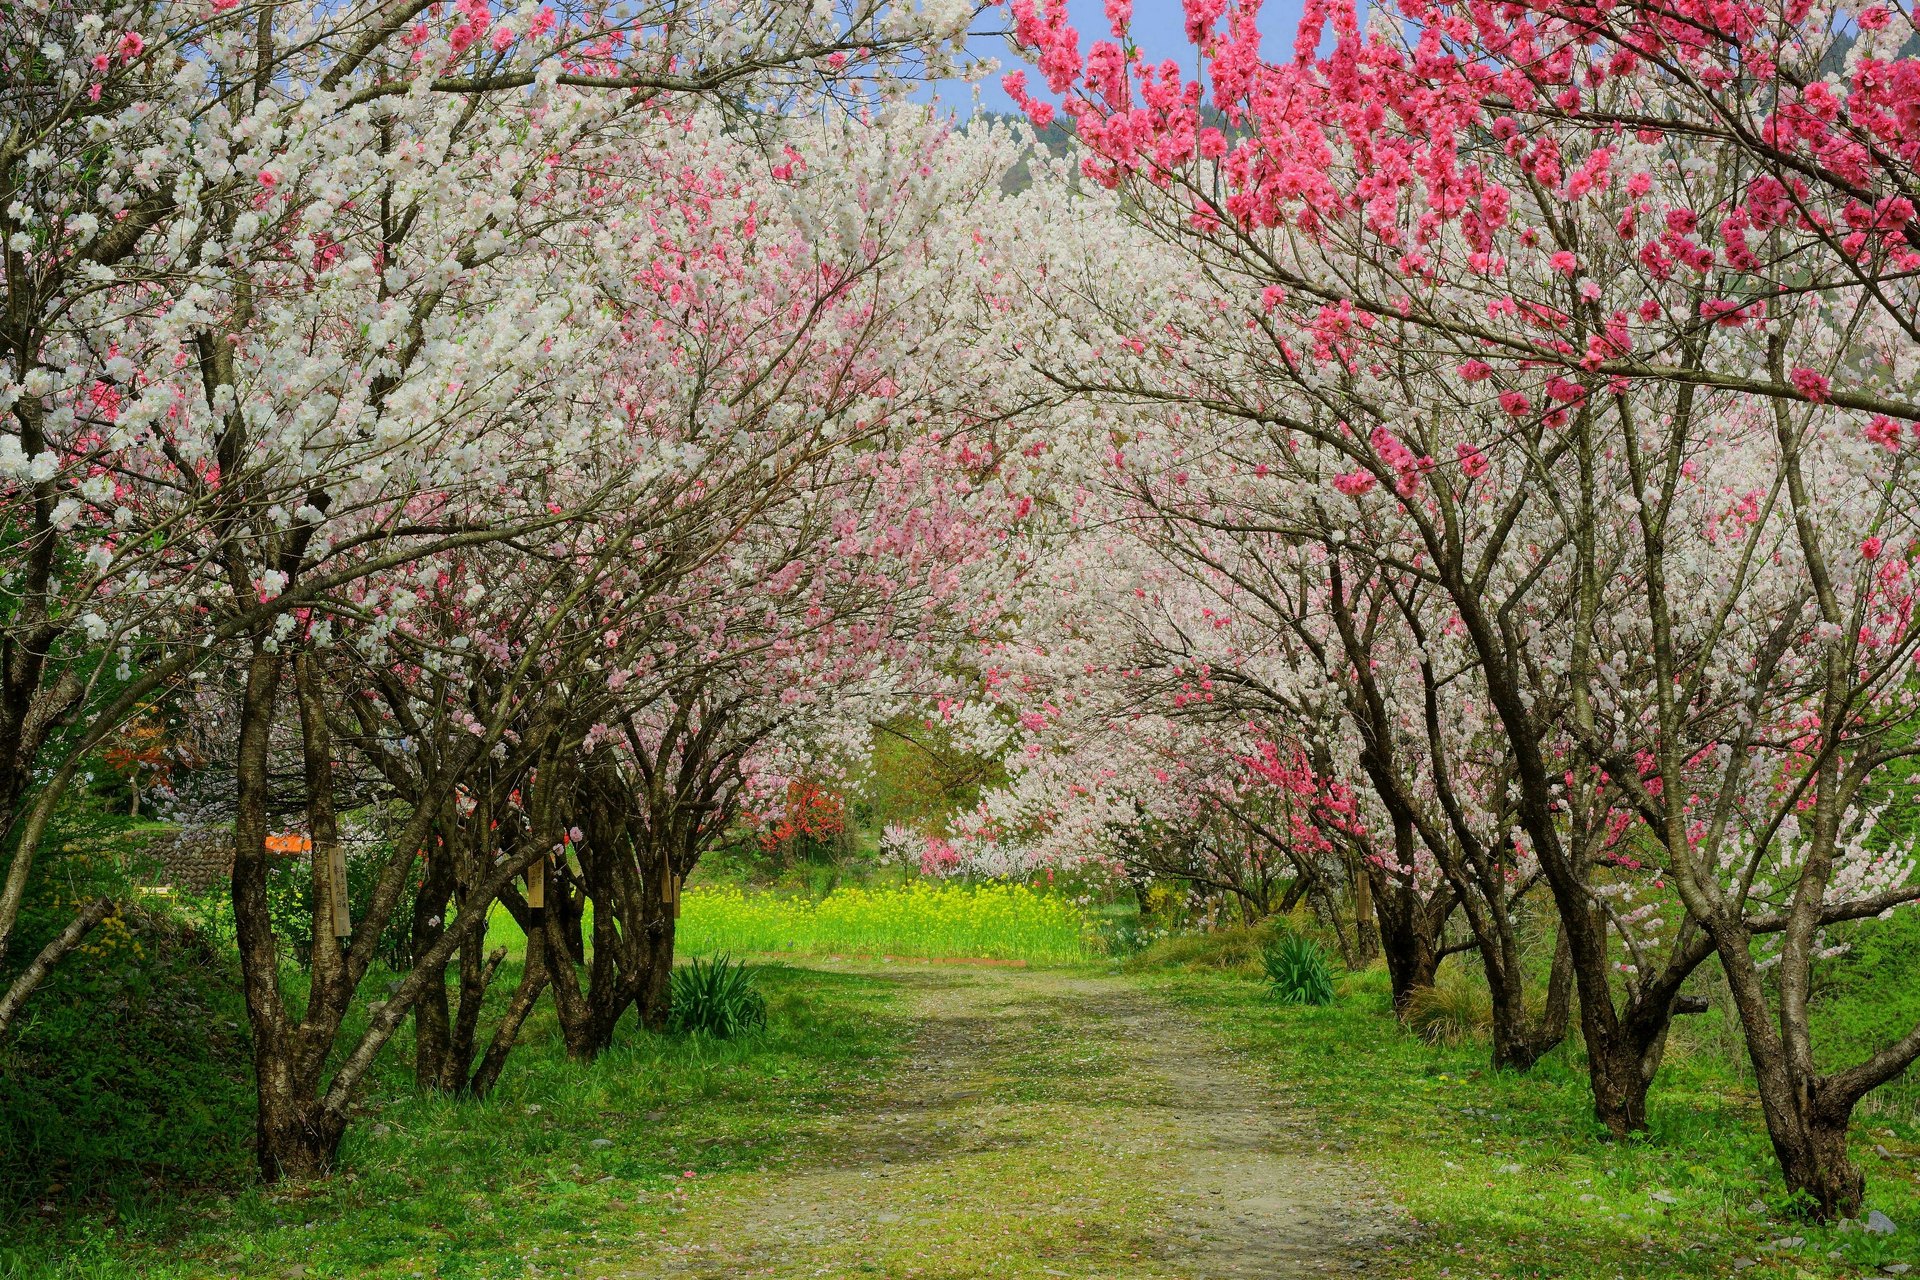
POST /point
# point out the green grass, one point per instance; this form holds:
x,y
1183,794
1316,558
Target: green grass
x,y
1237,951
1508,1174
127,1106
986,921
124,1072
512,1186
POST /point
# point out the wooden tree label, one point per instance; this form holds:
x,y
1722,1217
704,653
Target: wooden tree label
x,y
337,891
537,885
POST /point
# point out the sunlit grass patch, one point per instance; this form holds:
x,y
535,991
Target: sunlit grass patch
x,y
985,921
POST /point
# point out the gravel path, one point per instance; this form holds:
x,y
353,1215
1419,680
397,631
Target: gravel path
x,y
1045,1124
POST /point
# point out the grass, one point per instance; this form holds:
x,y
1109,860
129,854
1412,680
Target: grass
x,y
125,1122
1453,1011
718,997
987,921
1508,1174
564,1164
123,1075
1239,951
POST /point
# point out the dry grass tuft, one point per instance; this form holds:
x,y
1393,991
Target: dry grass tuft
x,y
1452,1011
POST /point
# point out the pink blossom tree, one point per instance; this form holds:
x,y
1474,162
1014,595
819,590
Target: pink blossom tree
x,y
1632,282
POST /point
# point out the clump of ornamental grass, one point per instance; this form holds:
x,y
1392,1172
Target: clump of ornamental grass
x,y
1235,950
1454,1010
1298,970
717,998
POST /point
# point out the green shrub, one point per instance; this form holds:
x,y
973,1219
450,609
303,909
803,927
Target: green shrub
x,y
1298,969
290,904
716,997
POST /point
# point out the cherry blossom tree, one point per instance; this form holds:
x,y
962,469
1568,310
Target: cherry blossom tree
x,y
245,247
196,198
1635,285
582,694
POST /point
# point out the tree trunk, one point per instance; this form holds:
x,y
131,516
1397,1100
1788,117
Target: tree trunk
x,y
1327,907
299,1124
656,992
432,1019
1619,1087
1806,1121
296,1137
589,1012
1623,1045
1623,1050
1366,930
567,908
1543,1036
569,999
1513,1046
1518,1040
476,976
1812,1150
291,1141
533,980
1410,946
1295,891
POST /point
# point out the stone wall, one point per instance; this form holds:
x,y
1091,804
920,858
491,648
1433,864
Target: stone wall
x,y
198,860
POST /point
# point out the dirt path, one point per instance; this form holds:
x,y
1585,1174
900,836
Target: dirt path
x,y
1045,1124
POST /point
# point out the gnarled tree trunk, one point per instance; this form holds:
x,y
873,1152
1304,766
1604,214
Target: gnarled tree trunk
x,y
1520,1040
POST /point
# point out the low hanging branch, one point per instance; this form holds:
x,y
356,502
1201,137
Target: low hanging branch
x,y
35,973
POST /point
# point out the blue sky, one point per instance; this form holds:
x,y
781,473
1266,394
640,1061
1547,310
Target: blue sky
x,y
1156,29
